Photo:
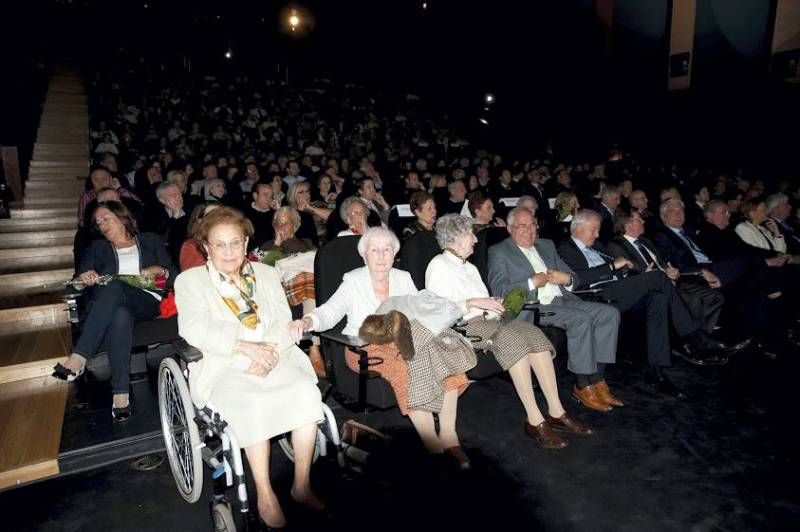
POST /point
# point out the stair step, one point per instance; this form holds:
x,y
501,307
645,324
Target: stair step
x,y
62,237
20,260
43,224
30,284
32,340
60,177
62,164
31,417
53,200
42,212
62,186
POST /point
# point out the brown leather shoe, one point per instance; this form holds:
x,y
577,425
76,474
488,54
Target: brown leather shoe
x,y
588,397
568,424
602,391
545,436
457,454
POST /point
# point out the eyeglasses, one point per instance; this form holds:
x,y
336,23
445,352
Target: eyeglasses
x,y
526,227
233,245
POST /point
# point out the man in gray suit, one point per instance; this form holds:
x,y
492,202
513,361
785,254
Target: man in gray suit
x,y
523,261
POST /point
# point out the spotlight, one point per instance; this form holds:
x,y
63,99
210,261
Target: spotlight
x,y
489,98
424,5
483,121
228,54
294,21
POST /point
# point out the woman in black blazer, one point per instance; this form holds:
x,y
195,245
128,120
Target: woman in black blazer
x,y
113,308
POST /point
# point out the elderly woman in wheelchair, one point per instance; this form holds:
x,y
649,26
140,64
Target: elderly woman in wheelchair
x,y
360,294
235,312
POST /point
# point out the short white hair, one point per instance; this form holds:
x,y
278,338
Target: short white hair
x,y
583,217
451,226
511,217
373,232
776,200
667,204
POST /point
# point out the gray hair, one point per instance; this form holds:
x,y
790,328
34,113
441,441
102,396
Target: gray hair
x,y
163,187
609,190
451,226
523,199
511,217
373,232
291,212
582,217
172,173
666,205
345,206
776,200
713,205
209,184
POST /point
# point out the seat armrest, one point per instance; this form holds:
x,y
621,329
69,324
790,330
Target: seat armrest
x,y
186,352
344,339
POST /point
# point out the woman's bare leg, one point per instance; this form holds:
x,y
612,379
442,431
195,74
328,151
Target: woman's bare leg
x,y
268,506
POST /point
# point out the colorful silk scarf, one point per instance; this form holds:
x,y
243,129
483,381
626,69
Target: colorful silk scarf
x,y
239,297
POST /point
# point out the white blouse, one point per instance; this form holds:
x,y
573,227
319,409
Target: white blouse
x,y
760,237
128,260
452,278
355,298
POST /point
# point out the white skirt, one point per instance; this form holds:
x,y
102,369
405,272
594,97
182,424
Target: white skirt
x,y
258,408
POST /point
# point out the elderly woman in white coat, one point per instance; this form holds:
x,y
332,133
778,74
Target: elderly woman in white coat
x,y
361,293
236,313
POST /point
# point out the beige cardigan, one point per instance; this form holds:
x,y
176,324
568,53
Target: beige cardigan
x,y
760,239
206,323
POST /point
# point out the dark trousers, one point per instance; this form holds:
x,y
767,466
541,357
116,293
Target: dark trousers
x,y
704,303
112,312
652,294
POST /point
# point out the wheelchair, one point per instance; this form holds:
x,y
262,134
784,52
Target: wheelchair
x,y
193,436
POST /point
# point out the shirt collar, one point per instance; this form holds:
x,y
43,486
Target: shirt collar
x,y
580,244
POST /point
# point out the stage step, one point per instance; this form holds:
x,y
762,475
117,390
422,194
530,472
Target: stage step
x,y
42,213
22,260
31,417
63,237
45,224
32,341
46,199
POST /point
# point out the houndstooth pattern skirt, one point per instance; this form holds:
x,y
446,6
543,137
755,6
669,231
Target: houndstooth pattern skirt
x,y
508,342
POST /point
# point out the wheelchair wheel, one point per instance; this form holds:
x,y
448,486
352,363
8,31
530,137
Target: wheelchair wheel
x,y
181,437
222,516
327,431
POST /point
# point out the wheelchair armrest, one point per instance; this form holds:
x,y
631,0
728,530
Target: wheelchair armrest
x,y
344,339
186,352
592,295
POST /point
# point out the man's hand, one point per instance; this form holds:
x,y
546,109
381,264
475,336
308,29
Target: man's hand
x,y
777,262
539,279
558,277
712,280
621,262
673,273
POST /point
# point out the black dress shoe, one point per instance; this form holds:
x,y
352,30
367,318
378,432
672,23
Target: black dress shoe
x,y
656,378
121,414
701,357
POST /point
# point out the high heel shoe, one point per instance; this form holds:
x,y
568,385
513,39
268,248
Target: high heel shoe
x,y
122,413
65,374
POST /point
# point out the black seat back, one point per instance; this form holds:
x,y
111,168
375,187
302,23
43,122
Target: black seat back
x,y
416,253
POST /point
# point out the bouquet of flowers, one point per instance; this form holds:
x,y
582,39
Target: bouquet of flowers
x,y
266,257
513,303
157,284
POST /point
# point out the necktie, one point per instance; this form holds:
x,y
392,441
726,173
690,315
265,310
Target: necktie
x,y
648,257
549,291
690,242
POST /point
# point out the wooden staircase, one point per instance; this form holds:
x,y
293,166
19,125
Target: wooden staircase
x,y
35,261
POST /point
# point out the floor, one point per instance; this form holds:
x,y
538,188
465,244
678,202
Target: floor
x,y
724,459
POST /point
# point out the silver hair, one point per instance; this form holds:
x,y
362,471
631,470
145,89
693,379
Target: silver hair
x,y
512,215
209,184
609,190
172,173
523,199
666,205
583,217
451,226
291,212
162,189
776,200
345,206
373,232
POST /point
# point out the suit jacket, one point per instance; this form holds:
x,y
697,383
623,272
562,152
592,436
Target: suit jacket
x,y
102,257
587,276
620,247
509,268
791,236
674,249
607,223
720,244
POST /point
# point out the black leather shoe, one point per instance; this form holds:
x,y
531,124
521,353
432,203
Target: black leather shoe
x,y
656,378
122,413
703,341
701,357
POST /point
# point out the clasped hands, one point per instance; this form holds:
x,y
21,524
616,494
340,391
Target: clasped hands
x,y
263,356
556,277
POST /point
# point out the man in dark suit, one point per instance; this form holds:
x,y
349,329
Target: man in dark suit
x,y
699,292
650,293
503,186
527,262
607,208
